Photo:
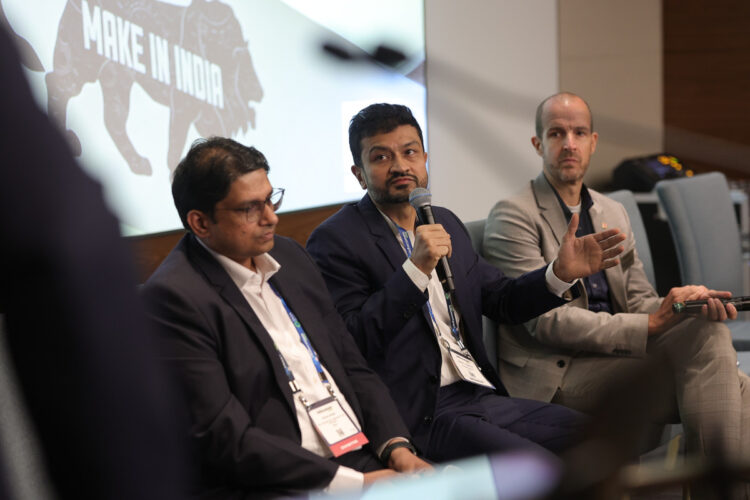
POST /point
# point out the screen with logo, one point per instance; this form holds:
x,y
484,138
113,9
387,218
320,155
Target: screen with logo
x,y
132,83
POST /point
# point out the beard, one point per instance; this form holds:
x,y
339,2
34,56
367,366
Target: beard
x,y
567,174
393,196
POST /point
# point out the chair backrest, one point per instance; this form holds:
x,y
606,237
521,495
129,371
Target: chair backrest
x,y
489,327
476,233
704,228
627,200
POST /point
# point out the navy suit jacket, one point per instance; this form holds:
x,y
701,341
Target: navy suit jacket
x,y
242,413
361,262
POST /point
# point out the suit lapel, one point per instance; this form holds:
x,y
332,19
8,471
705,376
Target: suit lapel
x,y
552,213
225,287
386,241
381,232
549,207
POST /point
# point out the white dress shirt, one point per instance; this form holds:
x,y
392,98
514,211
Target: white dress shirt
x,y
275,319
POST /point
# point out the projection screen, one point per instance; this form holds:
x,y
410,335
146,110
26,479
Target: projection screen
x,y
134,83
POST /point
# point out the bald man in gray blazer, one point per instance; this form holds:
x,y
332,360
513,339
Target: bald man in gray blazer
x,y
573,354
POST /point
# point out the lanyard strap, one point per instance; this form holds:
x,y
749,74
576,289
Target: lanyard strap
x,y
310,349
451,312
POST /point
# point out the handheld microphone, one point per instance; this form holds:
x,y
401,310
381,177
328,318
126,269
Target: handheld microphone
x,y
695,306
421,200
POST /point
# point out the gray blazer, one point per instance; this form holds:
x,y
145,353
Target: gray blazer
x,y
523,233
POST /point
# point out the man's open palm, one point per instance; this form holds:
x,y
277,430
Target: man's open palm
x,y
584,256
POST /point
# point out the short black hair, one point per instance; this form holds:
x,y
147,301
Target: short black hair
x,y
204,177
378,119
540,109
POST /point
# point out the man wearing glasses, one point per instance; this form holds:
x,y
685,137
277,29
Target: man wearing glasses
x,y
279,397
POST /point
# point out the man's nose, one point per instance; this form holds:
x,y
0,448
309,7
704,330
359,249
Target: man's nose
x,y
268,217
398,164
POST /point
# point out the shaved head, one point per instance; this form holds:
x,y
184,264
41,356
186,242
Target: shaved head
x,y
559,96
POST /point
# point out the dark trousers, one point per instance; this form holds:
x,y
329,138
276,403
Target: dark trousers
x,y
471,420
363,460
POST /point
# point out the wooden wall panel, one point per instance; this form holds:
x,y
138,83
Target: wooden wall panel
x,y
148,251
707,84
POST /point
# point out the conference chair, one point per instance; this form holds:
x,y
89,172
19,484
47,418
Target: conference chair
x,y
704,227
489,327
627,200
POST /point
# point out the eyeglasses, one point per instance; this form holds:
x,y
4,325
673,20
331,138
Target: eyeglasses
x,y
254,209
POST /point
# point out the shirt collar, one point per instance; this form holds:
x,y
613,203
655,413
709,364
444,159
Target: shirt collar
x,y
265,265
586,201
395,228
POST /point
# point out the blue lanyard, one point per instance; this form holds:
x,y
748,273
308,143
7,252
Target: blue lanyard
x,y
308,345
451,313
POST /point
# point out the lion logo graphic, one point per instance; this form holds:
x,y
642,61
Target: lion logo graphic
x,y
192,59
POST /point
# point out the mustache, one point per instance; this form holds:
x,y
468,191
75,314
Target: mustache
x,y
395,177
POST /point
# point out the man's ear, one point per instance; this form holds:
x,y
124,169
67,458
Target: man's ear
x,y
360,176
198,222
594,141
537,143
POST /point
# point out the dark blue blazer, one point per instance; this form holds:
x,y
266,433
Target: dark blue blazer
x,y
242,413
361,262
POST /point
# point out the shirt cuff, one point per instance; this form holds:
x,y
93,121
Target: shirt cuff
x,y
556,285
420,279
345,479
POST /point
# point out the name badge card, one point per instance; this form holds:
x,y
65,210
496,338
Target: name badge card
x,y
467,369
336,428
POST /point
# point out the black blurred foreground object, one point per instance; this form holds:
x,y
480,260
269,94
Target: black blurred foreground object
x,y
96,397
385,55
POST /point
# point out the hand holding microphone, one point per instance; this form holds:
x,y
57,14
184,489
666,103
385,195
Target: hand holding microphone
x,y
717,307
421,200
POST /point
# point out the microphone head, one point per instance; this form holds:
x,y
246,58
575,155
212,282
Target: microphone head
x,y
420,197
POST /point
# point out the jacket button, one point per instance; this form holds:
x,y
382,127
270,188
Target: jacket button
x,y
561,363
428,419
433,379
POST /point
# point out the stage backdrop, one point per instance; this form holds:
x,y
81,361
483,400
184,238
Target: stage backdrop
x,y
134,82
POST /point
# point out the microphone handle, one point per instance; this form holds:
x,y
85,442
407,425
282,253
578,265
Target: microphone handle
x,y
443,268
695,306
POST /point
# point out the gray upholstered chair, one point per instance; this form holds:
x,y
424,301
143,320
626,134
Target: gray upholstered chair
x,y
627,199
489,327
476,233
707,239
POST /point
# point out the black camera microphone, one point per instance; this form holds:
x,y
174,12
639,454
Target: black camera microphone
x,y
695,306
421,200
